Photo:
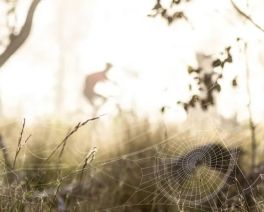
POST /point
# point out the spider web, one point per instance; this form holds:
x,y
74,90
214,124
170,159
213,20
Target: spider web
x,y
193,169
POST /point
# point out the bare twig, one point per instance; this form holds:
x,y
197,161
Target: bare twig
x,y
19,145
248,17
19,142
11,176
59,158
252,126
26,140
57,191
62,149
17,41
76,128
5,153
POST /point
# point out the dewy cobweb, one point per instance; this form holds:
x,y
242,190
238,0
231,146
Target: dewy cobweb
x,y
192,169
185,170
192,172
195,170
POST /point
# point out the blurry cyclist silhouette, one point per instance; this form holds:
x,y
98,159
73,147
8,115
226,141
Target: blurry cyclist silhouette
x,y
91,81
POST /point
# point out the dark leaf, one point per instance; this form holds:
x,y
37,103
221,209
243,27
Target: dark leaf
x,y
164,13
178,15
190,69
170,20
234,82
204,106
228,48
196,98
229,59
218,87
185,106
216,63
157,7
176,1
198,70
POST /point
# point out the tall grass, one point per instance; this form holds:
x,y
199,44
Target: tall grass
x,y
92,166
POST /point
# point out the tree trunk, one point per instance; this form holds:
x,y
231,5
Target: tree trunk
x,y
16,41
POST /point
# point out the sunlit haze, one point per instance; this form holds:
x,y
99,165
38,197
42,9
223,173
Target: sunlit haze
x,y
71,39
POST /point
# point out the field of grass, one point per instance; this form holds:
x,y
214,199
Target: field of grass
x,y
109,164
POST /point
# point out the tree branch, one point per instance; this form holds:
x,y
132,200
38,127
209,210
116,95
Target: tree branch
x,y
251,123
16,41
248,17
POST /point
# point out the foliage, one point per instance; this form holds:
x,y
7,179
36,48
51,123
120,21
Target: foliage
x,y
208,82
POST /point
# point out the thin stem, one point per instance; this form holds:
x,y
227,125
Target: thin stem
x,y
88,159
251,123
76,128
19,142
248,17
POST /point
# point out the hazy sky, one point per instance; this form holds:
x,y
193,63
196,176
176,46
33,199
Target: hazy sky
x,y
149,57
